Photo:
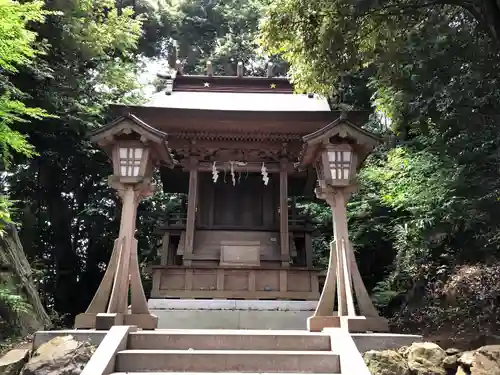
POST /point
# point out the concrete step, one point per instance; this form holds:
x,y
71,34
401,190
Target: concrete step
x,y
248,361
228,340
210,373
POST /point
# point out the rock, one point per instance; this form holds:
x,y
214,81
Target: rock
x,y
60,356
12,362
451,362
483,361
386,362
452,351
426,358
466,359
403,351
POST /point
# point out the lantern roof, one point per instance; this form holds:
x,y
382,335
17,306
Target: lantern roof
x,y
130,126
362,141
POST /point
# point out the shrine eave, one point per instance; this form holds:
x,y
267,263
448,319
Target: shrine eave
x,y
145,111
248,125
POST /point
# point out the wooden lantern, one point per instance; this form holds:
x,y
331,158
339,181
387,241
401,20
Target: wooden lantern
x,y
134,148
337,151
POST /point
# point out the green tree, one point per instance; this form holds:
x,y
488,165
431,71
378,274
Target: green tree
x,y
18,50
64,206
223,32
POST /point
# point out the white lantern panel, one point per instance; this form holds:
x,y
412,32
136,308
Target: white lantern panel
x,y
346,156
333,171
138,153
130,161
123,153
346,174
332,156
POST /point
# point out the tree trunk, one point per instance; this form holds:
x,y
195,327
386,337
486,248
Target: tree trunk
x,y
15,266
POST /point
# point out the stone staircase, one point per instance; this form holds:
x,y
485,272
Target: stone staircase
x,y
201,352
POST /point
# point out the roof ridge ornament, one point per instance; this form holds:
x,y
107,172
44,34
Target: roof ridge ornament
x,y
239,69
169,80
210,69
270,67
169,86
179,67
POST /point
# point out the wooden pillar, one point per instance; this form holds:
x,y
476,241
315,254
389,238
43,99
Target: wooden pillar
x,y
110,303
308,250
191,213
165,253
294,208
284,236
344,284
342,277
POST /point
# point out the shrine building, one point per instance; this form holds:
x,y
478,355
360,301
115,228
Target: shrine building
x,y
239,243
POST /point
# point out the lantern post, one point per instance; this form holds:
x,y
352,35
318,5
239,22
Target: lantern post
x,y
134,148
337,151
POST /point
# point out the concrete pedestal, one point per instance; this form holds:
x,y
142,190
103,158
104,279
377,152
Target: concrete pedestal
x,y
231,314
357,324
88,321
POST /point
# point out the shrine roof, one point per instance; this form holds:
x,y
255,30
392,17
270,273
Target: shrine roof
x,y
225,101
221,93
233,108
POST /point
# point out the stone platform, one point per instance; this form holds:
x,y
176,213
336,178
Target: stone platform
x,y
231,314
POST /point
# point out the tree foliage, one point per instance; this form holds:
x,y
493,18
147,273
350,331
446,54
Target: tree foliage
x,y
17,50
428,196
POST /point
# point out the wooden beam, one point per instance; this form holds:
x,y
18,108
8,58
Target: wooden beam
x,y
191,213
240,69
284,235
248,167
210,70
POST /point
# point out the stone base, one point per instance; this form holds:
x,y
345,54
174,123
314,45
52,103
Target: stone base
x,y
318,323
143,321
352,324
231,314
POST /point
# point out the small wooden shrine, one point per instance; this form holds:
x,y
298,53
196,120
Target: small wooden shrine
x,y
236,141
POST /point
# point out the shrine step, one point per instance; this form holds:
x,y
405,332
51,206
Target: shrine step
x,y
224,361
228,340
210,373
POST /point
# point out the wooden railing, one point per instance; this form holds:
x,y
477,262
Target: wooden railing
x,y
235,282
103,360
351,360
178,220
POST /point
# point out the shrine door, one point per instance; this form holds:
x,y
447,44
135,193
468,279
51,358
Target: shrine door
x,y
243,205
